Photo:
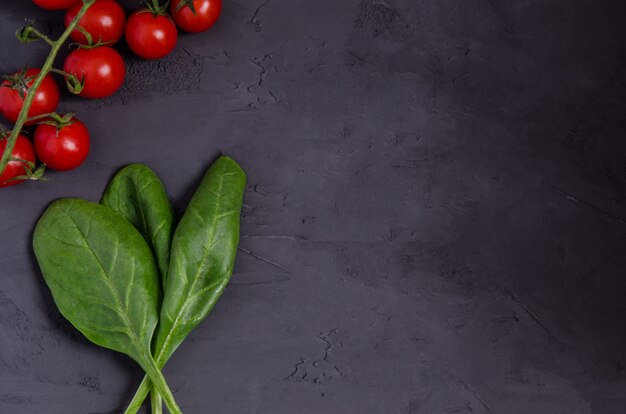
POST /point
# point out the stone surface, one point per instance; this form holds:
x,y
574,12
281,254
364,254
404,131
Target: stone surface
x,y
435,221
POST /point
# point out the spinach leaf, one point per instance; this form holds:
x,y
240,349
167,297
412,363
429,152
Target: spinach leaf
x,y
137,193
103,278
203,254
202,259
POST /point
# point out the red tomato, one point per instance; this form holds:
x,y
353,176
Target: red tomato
x,y
24,151
62,149
104,20
102,67
11,103
54,4
151,36
207,12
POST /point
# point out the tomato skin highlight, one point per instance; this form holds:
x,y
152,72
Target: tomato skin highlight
x,y
46,98
207,13
62,149
102,67
150,36
23,150
55,4
104,20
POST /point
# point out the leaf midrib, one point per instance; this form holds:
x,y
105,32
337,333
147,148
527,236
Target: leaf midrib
x,y
176,322
134,337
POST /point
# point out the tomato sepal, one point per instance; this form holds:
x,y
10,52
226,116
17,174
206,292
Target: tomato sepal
x,y
154,7
32,173
19,82
90,44
75,85
57,120
27,33
186,3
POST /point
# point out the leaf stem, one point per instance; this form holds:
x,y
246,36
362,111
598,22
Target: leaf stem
x,y
139,397
156,402
146,385
156,376
45,69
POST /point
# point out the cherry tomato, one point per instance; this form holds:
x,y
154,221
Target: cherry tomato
x,y
149,35
46,99
24,151
103,70
63,148
104,21
207,12
54,4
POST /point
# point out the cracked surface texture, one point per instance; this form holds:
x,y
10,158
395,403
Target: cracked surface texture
x,y
435,220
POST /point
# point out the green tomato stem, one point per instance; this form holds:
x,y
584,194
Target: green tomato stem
x,y
61,72
45,69
40,117
42,36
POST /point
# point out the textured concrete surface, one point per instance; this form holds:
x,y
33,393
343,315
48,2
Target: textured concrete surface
x,y
435,222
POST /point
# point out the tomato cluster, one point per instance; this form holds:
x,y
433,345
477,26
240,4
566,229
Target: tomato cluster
x,y
94,70
61,143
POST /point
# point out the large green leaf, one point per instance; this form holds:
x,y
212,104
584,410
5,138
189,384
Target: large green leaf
x,y
101,273
137,193
202,259
103,278
203,254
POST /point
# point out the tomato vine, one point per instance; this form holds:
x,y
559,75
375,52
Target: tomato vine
x,y
26,35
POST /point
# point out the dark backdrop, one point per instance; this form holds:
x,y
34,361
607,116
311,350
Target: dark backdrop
x,y
434,223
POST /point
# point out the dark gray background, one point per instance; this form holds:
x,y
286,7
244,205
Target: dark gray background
x,y
435,218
